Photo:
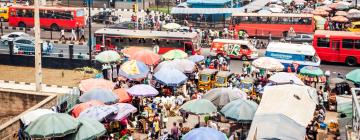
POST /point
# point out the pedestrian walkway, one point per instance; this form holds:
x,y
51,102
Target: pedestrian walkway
x,y
31,87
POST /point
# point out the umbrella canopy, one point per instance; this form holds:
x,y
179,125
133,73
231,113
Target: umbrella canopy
x,y
337,80
131,51
199,107
108,57
34,114
275,10
327,2
98,113
284,77
166,64
196,58
354,76
123,110
339,19
353,11
311,71
299,2
184,65
146,56
204,133
171,26
170,77
82,106
324,8
175,54
89,129
122,95
88,84
307,10
134,69
320,12
263,11
103,95
143,90
353,15
268,63
52,125
240,110
339,6
341,13
222,96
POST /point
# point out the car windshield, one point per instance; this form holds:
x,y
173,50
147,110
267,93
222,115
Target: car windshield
x,y
80,13
204,78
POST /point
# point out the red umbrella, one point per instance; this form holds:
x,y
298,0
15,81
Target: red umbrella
x,y
124,97
80,107
131,51
146,56
88,84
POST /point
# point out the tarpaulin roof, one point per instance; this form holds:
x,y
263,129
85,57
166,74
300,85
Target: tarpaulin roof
x,y
207,1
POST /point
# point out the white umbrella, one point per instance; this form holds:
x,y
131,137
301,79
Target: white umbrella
x,y
264,12
268,63
327,2
284,77
31,116
171,26
276,10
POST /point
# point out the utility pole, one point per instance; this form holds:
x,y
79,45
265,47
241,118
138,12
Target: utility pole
x,y
38,74
90,37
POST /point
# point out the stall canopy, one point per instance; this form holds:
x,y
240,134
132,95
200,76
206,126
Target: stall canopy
x,y
283,113
177,10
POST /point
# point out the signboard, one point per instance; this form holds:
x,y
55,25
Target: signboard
x,y
232,49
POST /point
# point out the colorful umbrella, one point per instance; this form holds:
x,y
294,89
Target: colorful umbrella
x,y
196,58
108,56
263,11
170,77
268,63
88,84
222,96
204,133
354,76
31,116
82,106
324,8
320,12
199,107
88,130
339,19
339,6
184,65
284,77
171,26
146,56
240,110
103,95
311,71
142,90
134,69
341,13
166,64
123,95
175,54
98,113
52,125
307,10
131,51
123,110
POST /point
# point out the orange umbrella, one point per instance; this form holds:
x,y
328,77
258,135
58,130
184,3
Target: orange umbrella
x,y
131,51
146,56
124,97
80,107
339,19
88,84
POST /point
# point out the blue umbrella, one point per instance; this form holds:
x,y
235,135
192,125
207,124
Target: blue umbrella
x,y
204,133
170,77
142,90
98,112
196,58
134,69
124,110
240,110
104,95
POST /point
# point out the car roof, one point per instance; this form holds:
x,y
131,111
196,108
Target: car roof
x,y
25,38
290,48
17,33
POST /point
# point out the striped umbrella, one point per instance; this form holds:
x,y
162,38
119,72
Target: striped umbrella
x,y
134,69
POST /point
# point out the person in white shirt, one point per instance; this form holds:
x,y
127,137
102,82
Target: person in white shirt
x,y
213,125
73,34
326,99
62,34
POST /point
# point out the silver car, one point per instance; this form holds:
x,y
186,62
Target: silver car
x,y
11,36
300,38
26,45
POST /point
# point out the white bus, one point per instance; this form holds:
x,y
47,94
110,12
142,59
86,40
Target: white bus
x,y
291,54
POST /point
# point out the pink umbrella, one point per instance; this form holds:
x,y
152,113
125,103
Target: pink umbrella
x,y
88,84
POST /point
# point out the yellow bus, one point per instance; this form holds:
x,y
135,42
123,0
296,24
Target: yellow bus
x,y
4,13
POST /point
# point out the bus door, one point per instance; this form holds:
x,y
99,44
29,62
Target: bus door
x,y
109,43
189,48
335,49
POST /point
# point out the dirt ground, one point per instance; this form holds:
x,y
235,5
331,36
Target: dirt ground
x,y
50,76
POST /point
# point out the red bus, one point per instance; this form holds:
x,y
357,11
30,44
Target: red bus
x,y
276,24
54,18
159,41
338,46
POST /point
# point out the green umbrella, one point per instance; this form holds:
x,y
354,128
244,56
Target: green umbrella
x,y
52,125
89,129
199,107
108,56
240,110
354,76
311,71
175,54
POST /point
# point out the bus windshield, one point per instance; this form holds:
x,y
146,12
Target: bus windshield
x,y
204,78
80,12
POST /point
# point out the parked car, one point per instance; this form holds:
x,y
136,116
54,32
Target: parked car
x,y
124,25
26,45
104,17
301,38
11,36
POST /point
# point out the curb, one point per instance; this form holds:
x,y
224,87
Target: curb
x,y
66,42
25,83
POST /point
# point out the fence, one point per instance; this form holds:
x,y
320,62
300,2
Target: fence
x,y
356,114
70,99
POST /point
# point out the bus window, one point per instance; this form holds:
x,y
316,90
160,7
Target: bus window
x,y
357,44
188,48
244,47
99,39
335,44
347,43
323,42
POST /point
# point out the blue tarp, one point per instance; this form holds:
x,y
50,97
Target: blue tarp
x,y
221,2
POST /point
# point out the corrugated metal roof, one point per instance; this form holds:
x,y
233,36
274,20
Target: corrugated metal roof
x,y
208,1
177,10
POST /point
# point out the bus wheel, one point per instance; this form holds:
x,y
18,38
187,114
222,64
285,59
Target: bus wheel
x,y
54,27
351,61
22,24
244,58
